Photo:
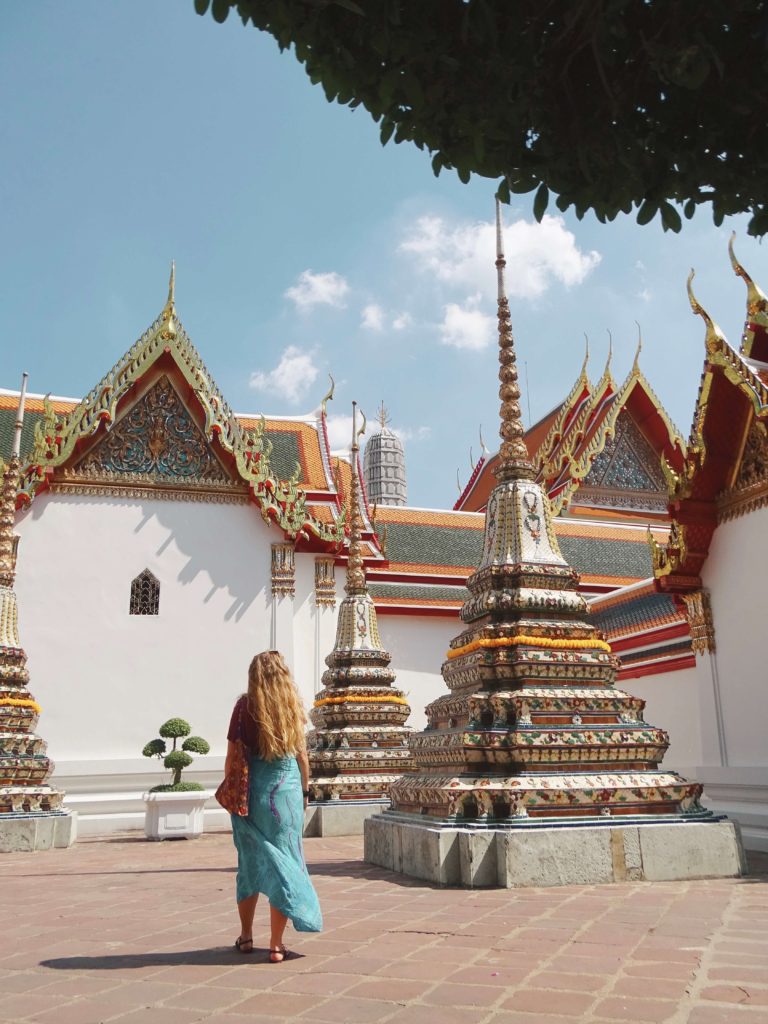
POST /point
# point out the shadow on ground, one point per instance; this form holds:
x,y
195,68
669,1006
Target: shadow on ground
x,y
225,956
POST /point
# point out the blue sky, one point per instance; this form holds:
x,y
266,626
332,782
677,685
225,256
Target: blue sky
x,y
135,132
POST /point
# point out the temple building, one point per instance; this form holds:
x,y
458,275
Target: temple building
x,y
125,495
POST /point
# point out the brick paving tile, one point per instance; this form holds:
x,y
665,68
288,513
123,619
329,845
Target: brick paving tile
x,y
489,974
284,1005
653,988
519,1017
18,1005
721,1015
571,982
346,1010
206,997
160,1015
534,1000
417,969
24,981
654,969
416,1014
629,1009
317,984
447,994
585,965
748,996
399,990
742,975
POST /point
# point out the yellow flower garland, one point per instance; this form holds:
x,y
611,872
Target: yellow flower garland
x,y
17,702
533,641
357,700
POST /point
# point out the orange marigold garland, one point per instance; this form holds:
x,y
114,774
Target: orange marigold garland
x,y
533,641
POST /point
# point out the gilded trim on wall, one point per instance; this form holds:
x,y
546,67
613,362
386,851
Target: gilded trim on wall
x,y
283,570
698,611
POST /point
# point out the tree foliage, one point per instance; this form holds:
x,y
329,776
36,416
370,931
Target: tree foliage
x,y
177,759
652,106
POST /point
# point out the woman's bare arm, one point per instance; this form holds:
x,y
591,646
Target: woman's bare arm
x,y
230,755
303,762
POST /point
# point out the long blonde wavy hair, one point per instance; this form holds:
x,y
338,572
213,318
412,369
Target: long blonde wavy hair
x,y
275,704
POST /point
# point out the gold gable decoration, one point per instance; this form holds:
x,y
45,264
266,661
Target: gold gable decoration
x,y
57,436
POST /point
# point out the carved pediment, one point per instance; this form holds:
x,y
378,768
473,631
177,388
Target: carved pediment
x,y
626,472
156,441
750,488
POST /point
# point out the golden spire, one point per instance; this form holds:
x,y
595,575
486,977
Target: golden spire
x,y
483,446
714,338
514,463
168,316
757,302
610,353
384,417
10,486
355,567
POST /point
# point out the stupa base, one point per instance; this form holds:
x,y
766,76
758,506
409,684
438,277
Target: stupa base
x,y
341,817
576,853
25,833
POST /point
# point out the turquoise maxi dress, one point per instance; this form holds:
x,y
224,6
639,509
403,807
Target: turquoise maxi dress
x,y
270,854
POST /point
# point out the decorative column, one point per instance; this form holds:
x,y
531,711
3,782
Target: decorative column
x,y
31,816
283,590
698,611
325,612
359,745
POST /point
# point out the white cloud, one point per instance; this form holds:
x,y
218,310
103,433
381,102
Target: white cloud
x,y
329,289
401,321
291,378
537,255
412,433
373,318
339,429
645,295
466,326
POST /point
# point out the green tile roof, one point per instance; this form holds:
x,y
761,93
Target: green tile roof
x,y
595,556
285,453
7,427
433,545
632,616
417,592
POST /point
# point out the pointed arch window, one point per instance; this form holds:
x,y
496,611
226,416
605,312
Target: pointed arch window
x,y
145,594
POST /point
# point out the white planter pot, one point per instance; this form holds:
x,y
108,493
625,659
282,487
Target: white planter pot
x,y
175,815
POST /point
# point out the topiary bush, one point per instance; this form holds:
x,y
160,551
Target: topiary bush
x,y
176,759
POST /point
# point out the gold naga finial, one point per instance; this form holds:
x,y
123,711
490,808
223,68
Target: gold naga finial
x,y
483,446
384,417
714,338
458,482
610,351
471,460
586,356
514,461
328,397
355,568
8,492
168,316
636,362
757,301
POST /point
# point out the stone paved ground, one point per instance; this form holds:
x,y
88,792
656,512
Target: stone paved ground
x,y
138,932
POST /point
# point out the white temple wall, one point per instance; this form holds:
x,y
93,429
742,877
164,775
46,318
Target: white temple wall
x,y
735,729
304,628
672,704
418,646
106,679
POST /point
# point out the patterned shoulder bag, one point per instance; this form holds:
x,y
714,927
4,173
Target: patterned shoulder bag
x,y
232,794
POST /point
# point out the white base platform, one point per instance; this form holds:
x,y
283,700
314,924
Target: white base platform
x,y
340,817
562,855
25,833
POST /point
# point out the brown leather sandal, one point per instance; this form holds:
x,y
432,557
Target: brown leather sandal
x,y
244,945
275,953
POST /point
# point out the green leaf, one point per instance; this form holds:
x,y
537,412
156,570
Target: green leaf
x,y
387,128
201,6
502,191
670,218
690,208
437,164
647,212
540,202
220,10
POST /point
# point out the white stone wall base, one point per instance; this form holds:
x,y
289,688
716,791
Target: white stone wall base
x,y
548,856
27,833
342,818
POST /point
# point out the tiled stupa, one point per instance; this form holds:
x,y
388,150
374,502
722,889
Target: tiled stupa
x,y
30,809
359,744
384,465
532,727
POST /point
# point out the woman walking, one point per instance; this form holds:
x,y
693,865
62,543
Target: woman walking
x,y
269,720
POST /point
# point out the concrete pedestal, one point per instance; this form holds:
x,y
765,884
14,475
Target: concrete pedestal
x,y
340,817
24,833
556,855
